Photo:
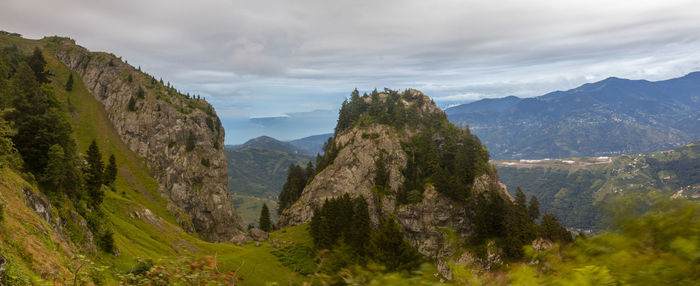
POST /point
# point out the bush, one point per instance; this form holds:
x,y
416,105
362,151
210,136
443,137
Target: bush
x,y
191,142
106,242
205,162
132,104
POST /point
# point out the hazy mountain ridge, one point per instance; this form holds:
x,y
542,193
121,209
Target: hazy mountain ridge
x,y
269,143
609,117
312,144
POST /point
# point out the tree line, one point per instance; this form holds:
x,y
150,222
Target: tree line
x,y
513,225
342,226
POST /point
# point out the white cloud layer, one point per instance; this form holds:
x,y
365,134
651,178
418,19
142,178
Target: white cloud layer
x,y
266,58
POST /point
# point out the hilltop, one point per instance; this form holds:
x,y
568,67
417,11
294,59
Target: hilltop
x,y
421,178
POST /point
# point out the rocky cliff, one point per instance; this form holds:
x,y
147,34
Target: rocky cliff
x,y
353,171
179,137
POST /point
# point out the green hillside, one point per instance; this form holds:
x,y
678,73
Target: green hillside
x,y
134,193
260,172
575,189
256,174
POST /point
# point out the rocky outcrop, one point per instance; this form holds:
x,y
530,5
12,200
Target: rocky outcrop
x,y
425,223
3,262
41,206
193,178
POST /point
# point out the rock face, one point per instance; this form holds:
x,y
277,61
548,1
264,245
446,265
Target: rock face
x,y
193,178
353,171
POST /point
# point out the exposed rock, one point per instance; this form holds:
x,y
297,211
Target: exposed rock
x,y
352,172
88,245
444,269
541,244
240,239
148,217
42,207
158,132
3,261
258,243
258,234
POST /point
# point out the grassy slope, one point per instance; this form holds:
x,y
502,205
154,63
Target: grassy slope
x,y
26,239
136,189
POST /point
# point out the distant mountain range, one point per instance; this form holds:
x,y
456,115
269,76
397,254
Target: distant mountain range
x,y
610,117
312,144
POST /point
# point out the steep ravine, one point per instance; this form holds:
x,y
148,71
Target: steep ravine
x,y
192,179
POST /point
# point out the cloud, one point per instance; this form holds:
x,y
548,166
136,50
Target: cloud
x,y
266,58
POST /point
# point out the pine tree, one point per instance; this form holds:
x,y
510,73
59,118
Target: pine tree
x,y
391,249
191,142
534,208
553,230
94,174
360,229
140,94
308,173
69,83
375,107
381,175
111,170
38,64
132,104
54,174
520,198
265,223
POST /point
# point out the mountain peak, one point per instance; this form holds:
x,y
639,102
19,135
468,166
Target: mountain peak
x,y
269,143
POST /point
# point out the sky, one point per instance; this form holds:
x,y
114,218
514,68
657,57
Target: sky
x,y
282,68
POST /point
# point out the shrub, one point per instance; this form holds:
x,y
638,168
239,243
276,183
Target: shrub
x,y
132,104
191,142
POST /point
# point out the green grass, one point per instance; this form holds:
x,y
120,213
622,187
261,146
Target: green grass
x,y
299,257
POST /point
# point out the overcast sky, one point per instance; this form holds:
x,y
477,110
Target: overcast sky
x,y
274,58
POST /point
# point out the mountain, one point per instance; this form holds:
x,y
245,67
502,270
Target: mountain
x,y
610,117
179,137
312,144
257,170
55,230
577,189
269,143
386,150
